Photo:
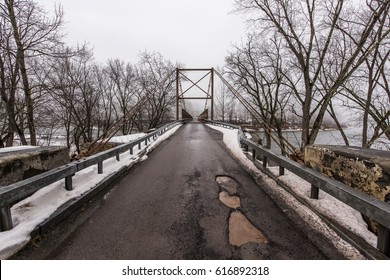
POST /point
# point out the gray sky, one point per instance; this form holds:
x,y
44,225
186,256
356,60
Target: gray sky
x,y
197,33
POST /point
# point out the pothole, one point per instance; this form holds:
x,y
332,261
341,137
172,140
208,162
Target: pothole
x,y
227,184
231,201
241,231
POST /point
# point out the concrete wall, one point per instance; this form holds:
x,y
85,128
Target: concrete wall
x,y
18,165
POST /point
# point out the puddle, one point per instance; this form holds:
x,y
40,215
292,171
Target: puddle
x,y
231,201
241,231
228,184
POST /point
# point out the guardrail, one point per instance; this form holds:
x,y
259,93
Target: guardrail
x,y
369,206
11,194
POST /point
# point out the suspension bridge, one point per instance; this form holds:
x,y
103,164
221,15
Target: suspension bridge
x,y
191,199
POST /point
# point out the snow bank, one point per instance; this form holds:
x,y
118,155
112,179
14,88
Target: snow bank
x,y
127,138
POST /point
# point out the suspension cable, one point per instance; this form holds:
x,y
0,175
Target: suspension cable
x,y
279,139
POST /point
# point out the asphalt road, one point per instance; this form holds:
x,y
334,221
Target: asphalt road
x,y
168,207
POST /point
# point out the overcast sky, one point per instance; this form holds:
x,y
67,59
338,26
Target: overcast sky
x,y
197,33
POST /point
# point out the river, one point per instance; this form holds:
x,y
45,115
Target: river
x,y
331,137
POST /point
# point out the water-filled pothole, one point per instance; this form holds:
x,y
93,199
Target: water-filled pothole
x,y
241,231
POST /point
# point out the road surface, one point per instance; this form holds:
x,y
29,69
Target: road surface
x,y
189,200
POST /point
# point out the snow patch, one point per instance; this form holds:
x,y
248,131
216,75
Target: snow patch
x,y
16,148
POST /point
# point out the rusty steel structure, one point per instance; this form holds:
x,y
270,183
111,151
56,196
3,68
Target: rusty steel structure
x,y
208,94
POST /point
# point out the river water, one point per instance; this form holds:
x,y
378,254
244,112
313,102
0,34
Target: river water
x,y
331,137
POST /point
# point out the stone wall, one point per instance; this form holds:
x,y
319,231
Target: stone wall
x,y
364,169
18,165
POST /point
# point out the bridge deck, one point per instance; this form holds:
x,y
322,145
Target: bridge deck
x,y
168,207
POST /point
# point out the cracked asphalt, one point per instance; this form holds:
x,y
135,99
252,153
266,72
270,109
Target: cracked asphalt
x,y
168,207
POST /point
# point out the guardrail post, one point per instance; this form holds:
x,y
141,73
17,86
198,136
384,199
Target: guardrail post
x,y
281,170
69,183
100,167
5,218
314,192
383,244
118,157
254,154
131,150
139,146
265,159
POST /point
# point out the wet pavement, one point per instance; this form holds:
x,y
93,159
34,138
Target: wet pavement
x,y
189,200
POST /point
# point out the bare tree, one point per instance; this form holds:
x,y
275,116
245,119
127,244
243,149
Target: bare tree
x,y
123,78
152,69
9,78
104,87
255,69
34,35
321,55
224,104
368,90
71,85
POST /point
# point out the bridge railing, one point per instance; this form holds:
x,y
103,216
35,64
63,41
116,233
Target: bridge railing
x,y
11,194
367,205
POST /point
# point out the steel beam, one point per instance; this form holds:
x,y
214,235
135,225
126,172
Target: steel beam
x,y
210,71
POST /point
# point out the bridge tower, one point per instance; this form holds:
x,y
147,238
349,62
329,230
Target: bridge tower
x,y
205,94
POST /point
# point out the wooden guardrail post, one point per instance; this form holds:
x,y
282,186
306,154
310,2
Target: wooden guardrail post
x,y
281,170
5,218
265,159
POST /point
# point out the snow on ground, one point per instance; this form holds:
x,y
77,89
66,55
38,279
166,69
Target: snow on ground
x,y
326,204
127,138
339,211
30,212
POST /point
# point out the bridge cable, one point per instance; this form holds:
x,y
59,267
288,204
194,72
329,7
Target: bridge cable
x,y
279,139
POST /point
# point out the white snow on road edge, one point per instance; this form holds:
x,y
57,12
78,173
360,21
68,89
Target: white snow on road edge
x,y
30,212
326,204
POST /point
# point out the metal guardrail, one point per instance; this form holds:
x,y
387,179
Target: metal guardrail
x,y
11,194
367,205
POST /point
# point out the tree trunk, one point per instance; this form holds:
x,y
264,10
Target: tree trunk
x,y
20,59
